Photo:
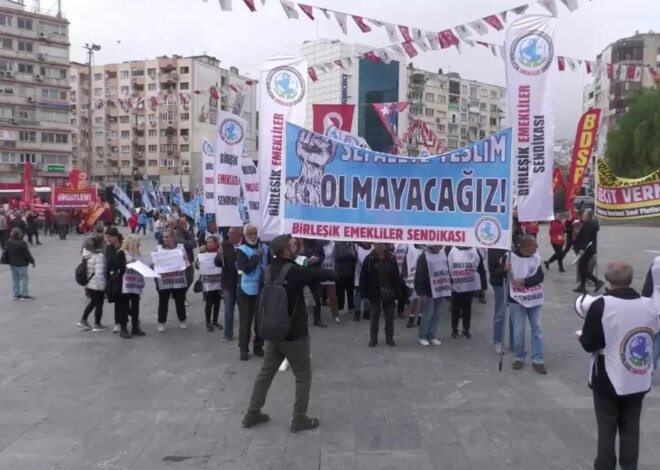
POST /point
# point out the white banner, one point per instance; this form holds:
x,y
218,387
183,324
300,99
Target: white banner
x,y
250,186
228,153
529,57
283,99
168,261
123,203
142,269
207,264
208,176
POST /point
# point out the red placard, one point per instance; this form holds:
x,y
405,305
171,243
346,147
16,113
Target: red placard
x,y
74,198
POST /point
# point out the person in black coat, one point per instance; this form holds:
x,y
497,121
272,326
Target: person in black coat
x,y
315,255
380,283
32,219
586,244
346,257
227,259
18,259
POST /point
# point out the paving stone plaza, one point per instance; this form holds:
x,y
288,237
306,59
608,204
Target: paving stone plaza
x,y
76,400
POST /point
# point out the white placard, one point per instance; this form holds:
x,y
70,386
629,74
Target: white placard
x,y
228,154
207,264
168,261
208,176
250,186
143,269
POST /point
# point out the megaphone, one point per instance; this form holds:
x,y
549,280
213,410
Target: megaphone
x,y
583,302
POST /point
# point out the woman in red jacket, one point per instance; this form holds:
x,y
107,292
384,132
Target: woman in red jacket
x,y
557,239
133,222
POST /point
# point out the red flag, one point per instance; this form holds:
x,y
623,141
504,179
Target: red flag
x,y
610,71
561,63
371,55
630,72
327,116
27,182
312,74
587,63
585,141
447,38
405,32
250,5
214,93
361,24
249,82
308,10
340,63
558,180
233,88
389,116
410,49
494,21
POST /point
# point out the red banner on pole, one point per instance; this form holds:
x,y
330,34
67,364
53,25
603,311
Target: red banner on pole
x,y
558,180
332,115
585,141
73,198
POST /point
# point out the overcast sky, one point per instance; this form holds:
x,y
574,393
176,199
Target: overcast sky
x,y
148,28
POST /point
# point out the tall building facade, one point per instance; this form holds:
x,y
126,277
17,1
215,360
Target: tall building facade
x,y
611,95
34,107
458,110
148,118
360,82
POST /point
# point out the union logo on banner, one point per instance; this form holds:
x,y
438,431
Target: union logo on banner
x,y
231,131
532,53
285,85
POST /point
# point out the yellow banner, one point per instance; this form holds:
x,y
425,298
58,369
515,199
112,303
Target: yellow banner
x,y
626,198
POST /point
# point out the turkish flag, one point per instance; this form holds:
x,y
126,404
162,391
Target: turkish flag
x,y
447,39
410,49
630,72
371,55
326,116
364,27
214,93
561,63
405,32
495,22
610,71
250,5
587,63
308,10
312,74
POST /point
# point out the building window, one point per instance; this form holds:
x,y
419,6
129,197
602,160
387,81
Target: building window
x,y
98,91
98,120
168,147
125,149
151,73
493,93
28,157
54,138
99,150
184,116
125,163
98,77
185,162
429,112
168,116
184,148
153,133
110,90
6,66
137,73
452,143
124,119
6,90
25,46
123,74
442,128
7,43
152,163
430,98
26,114
23,23
5,20
152,117
27,136
152,86
184,86
124,89
184,70
184,133
166,163
493,121
152,148
25,68
52,94
126,134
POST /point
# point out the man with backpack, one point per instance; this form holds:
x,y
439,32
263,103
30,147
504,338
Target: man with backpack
x,y
282,321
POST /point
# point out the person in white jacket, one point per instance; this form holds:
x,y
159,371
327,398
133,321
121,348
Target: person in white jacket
x,y
95,288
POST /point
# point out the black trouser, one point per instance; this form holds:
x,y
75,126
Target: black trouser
x,y
247,313
404,296
461,307
583,269
61,230
345,290
212,304
143,228
34,234
127,305
3,238
179,296
388,312
317,291
190,277
558,256
569,245
96,298
620,413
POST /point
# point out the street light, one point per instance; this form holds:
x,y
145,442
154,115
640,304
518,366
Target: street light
x,y
91,48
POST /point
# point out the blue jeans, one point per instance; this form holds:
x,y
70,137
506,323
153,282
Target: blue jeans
x,y
499,317
428,325
19,280
518,316
656,351
230,305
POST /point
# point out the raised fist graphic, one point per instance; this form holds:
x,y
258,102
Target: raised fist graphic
x,y
314,152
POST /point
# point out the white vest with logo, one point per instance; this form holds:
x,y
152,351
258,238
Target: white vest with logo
x,y
463,265
329,260
438,265
522,268
361,256
400,254
177,279
412,256
629,327
133,281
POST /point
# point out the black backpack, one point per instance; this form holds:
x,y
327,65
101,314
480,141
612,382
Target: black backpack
x,y
81,273
273,314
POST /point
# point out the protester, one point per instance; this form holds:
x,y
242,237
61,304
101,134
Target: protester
x,y
18,222
618,331
557,239
159,228
96,283
133,221
315,254
251,259
18,259
526,297
571,218
173,284
380,283
127,302
432,284
32,227
651,289
114,240
61,224
361,304
211,230
530,228
330,287
497,259
142,222
49,223
150,220
587,246
465,266
345,258
226,259
295,348
184,237
211,286
483,276
3,229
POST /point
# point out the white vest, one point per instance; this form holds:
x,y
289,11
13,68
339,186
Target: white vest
x,y
629,327
400,255
439,274
361,256
329,260
210,282
655,278
133,281
522,268
177,279
463,265
412,256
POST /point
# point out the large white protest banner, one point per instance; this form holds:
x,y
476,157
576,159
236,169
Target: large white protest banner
x,y
250,186
283,99
228,153
530,52
168,261
208,176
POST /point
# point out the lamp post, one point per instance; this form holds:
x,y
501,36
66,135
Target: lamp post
x,y
90,48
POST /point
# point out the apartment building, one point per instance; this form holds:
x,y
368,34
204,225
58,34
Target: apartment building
x,y
34,107
458,110
148,118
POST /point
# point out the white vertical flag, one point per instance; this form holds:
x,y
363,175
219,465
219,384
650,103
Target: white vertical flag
x,y
228,153
208,176
529,57
341,20
463,32
434,42
283,93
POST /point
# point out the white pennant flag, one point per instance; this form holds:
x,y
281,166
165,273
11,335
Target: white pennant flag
x,y
341,20
225,5
383,55
638,73
326,13
572,5
459,48
289,9
398,49
376,23
571,64
421,43
263,2
493,49
479,27
469,42
329,66
416,34
550,5
463,32
392,33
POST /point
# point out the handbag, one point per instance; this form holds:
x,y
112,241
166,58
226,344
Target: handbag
x,y
4,258
197,287
387,294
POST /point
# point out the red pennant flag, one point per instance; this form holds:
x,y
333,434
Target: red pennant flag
x,y
371,55
561,62
308,10
405,32
312,74
250,5
233,88
249,82
214,93
630,72
587,64
447,38
361,24
340,63
494,21
610,71
410,49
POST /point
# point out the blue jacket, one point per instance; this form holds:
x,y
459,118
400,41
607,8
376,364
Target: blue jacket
x,y
251,267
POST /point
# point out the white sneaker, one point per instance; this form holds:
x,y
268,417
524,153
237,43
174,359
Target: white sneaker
x,y
116,329
499,349
187,304
161,327
183,325
436,342
423,342
284,366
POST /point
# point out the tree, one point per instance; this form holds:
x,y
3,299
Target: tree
x,y
633,146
